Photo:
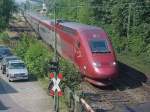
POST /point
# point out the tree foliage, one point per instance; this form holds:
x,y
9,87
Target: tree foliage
x,y
35,55
7,7
72,77
37,58
23,45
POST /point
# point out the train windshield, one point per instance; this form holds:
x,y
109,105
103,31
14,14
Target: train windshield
x,y
99,46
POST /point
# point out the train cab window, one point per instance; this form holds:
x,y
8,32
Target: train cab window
x,y
99,46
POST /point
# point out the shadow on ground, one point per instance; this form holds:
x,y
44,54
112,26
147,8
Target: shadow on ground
x,y
129,78
6,88
3,107
32,78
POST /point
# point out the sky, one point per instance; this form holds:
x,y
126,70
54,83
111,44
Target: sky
x,y
19,1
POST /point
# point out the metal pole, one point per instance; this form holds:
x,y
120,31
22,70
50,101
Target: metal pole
x,y
134,19
55,50
55,58
56,97
77,11
128,26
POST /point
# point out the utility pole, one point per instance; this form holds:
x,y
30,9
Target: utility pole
x,y
55,64
56,61
55,67
44,8
28,5
77,10
129,22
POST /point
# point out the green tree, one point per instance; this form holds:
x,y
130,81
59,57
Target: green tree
x,y
37,59
23,45
72,77
7,7
35,54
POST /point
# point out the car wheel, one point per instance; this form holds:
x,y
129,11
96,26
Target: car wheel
x,y
10,80
27,79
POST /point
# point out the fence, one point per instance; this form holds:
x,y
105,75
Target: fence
x,y
76,102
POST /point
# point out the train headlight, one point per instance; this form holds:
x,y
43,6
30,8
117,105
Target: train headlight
x,y
114,63
96,64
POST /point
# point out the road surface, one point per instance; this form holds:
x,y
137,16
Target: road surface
x,y
26,96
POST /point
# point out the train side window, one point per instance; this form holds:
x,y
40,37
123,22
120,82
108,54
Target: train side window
x,y
69,30
43,29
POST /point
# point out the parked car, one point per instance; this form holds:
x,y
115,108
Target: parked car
x,y
16,70
5,60
4,51
3,46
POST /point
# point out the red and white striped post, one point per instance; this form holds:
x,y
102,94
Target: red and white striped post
x,y
56,82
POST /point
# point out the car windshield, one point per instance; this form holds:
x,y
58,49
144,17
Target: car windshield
x,y
17,66
99,46
9,59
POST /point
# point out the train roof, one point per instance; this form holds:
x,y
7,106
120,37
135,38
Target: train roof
x,y
38,16
80,26
73,25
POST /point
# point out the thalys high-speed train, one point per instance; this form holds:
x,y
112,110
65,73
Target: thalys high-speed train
x,y
88,47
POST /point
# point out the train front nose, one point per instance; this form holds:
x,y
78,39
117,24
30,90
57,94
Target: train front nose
x,y
102,74
105,70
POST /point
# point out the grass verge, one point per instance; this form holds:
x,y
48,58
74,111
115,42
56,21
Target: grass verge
x,y
138,63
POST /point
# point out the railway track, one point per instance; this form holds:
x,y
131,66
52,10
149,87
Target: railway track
x,y
20,29
109,100
20,25
129,89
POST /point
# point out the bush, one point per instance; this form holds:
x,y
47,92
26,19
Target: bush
x,y
4,38
37,59
3,24
72,77
35,55
148,54
119,44
136,45
23,45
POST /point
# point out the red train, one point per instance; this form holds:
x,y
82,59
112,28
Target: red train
x,y
88,47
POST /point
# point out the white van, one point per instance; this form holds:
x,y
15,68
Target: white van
x,y
16,70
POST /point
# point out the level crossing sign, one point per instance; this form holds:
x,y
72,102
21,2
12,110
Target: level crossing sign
x,y
56,82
